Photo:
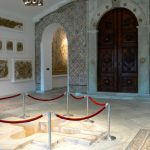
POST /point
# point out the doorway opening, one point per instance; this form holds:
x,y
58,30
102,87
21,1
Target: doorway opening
x,y
54,58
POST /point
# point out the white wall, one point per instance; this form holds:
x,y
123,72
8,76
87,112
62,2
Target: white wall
x,y
27,36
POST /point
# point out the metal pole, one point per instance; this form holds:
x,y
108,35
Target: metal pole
x,y
108,124
49,130
23,105
67,103
87,105
87,109
67,106
23,96
68,88
108,136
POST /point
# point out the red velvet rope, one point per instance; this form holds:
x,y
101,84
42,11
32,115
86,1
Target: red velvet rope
x,y
10,96
79,98
95,102
21,121
79,119
40,99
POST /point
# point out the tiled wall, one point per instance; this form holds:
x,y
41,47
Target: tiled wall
x,y
73,18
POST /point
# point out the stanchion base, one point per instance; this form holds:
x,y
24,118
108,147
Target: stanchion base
x,y
24,116
68,115
109,138
90,121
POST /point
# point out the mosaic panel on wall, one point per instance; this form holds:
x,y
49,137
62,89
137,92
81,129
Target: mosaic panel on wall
x,y
3,69
23,70
11,45
11,24
19,46
1,45
59,52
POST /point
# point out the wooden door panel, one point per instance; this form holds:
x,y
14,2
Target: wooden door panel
x,y
128,84
128,60
106,74
106,31
117,68
106,83
127,52
106,70
128,20
128,69
107,59
129,37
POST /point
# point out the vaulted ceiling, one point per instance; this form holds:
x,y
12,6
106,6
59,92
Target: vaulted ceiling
x,y
18,7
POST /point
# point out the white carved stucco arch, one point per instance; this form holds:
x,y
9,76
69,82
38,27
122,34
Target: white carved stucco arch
x,y
130,5
143,41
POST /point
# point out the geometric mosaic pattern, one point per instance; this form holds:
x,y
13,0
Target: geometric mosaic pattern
x,y
72,17
141,141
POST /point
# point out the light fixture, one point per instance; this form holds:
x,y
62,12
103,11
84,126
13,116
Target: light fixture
x,y
33,2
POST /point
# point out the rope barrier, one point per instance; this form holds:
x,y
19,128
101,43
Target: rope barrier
x,y
2,98
40,99
95,102
21,121
83,118
79,98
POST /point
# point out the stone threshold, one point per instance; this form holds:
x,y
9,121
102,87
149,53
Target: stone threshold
x,y
120,96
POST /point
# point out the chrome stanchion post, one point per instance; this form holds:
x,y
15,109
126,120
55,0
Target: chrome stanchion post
x,y
87,105
87,109
23,105
67,106
68,88
23,95
108,136
49,130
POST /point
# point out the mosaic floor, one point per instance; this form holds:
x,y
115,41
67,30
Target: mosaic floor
x,y
141,141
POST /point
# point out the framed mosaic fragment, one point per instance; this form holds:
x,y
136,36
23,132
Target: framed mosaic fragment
x,y
19,46
9,46
4,69
11,24
22,70
1,45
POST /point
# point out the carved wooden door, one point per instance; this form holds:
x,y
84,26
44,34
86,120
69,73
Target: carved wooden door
x,y
117,68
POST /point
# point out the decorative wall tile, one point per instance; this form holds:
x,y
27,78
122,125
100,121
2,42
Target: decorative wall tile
x,y
73,18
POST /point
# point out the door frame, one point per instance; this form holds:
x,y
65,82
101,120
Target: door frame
x,y
143,47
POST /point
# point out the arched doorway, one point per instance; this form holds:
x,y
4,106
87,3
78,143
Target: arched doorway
x,y
117,55
48,79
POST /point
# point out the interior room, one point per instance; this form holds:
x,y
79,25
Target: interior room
x,y
75,74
